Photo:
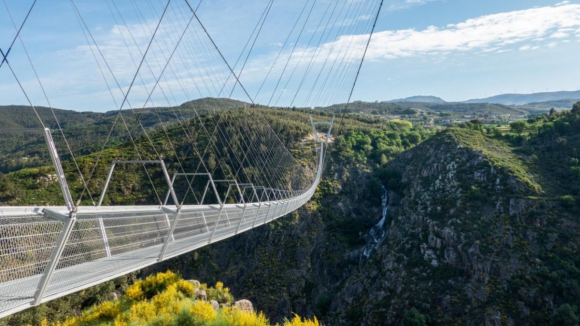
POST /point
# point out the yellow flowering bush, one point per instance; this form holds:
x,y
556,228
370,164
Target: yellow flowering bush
x,y
297,321
73,321
237,317
135,292
140,312
147,288
105,310
166,300
203,311
185,287
220,294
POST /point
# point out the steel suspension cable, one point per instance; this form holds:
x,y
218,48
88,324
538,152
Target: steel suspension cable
x,y
340,125
47,100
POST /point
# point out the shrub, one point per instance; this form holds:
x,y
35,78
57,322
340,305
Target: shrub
x,y
297,321
139,313
168,302
105,310
564,315
413,317
220,294
237,317
151,286
135,292
185,287
203,311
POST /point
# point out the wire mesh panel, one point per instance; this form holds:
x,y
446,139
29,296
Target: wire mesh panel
x,y
191,224
74,278
85,244
103,246
138,230
26,243
106,245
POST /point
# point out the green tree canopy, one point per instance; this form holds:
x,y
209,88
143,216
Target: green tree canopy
x,y
414,318
518,127
576,108
564,316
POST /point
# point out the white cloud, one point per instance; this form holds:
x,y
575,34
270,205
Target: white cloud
x,y
492,31
559,34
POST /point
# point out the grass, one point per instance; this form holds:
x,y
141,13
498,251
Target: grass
x,y
501,154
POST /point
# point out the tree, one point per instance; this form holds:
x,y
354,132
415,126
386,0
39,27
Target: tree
x,y
564,316
383,159
6,187
576,108
518,127
413,317
414,138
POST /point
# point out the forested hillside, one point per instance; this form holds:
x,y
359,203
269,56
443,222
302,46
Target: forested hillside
x,y
364,144
410,108
481,226
22,142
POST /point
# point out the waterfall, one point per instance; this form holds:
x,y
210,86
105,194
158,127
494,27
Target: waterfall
x,y
377,232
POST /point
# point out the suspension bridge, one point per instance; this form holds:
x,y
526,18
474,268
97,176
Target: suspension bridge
x,y
226,172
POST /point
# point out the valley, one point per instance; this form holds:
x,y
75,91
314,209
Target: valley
x,y
477,220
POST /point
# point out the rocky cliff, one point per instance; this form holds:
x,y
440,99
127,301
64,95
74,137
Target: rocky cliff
x,y
295,264
471,237
471,241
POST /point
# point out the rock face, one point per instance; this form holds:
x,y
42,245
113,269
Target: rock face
x,y
469,244
245,305
468,240
200,294
215,305
196,284
295,264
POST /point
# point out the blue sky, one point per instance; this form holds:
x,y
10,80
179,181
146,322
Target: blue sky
x,y
455,49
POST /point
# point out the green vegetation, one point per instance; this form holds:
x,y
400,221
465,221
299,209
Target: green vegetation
x,y
72,305
167,299
482,226
22,142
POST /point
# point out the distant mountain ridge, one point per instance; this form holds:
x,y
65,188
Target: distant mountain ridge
x,y
522,99
420,99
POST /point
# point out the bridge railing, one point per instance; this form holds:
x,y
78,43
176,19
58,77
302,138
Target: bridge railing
x,y
49,252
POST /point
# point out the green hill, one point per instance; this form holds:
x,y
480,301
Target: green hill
x,y
22,140
482,225
410,108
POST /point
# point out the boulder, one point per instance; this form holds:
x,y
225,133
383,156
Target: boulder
x,y
195,283
200,294
245,305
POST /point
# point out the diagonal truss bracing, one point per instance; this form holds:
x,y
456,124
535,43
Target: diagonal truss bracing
x,y
49,252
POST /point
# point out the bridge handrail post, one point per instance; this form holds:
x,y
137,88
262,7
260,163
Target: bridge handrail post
x,y
104,236
245,207
259,206
216,224
177,213
59,170
54,259
69,221
109,176
169,190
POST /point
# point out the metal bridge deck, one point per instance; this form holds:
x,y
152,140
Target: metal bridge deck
x,y
132,246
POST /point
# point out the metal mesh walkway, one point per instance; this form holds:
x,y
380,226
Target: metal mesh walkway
x,y
107,242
